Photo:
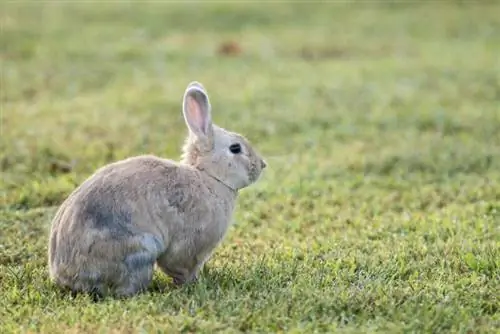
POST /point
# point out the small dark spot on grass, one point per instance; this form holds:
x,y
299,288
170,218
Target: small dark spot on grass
x,y
229,48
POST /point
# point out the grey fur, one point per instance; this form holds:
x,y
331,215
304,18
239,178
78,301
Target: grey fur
x,y
129,215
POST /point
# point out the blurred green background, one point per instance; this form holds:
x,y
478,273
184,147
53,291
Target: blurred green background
x,y
380,121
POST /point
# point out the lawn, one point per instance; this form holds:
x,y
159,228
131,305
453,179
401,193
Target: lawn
x,y
380,122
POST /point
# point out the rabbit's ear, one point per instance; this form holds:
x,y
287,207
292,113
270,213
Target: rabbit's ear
x,y
197,110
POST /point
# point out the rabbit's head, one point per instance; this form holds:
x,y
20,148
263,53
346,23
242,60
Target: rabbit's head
x,y
224,155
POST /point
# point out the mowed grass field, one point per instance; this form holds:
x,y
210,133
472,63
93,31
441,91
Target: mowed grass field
x,y
380,208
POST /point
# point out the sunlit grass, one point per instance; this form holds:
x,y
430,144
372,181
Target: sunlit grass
x,y
380,209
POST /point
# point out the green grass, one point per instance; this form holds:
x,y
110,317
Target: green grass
x,y
380,209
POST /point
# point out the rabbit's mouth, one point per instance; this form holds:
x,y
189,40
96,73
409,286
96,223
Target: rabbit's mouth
x,y
254,173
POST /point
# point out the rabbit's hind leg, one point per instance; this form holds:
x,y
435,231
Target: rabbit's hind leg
x,y
136,281
139,265
120,280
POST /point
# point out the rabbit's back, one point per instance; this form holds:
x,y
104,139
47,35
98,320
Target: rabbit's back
x,y
113,199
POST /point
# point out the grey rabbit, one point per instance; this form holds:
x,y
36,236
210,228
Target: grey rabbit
x,y
107,236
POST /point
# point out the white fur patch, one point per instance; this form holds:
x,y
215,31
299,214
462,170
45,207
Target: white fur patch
x,y
152,243
152,247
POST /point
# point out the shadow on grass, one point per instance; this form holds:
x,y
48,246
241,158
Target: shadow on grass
x,y
261,278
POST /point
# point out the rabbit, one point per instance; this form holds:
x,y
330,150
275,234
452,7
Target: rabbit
x,y
133,214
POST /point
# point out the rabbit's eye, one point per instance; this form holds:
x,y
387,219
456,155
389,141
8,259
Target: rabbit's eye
x,y
235,148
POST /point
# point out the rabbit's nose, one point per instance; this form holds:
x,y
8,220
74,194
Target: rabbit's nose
x,y
263,163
